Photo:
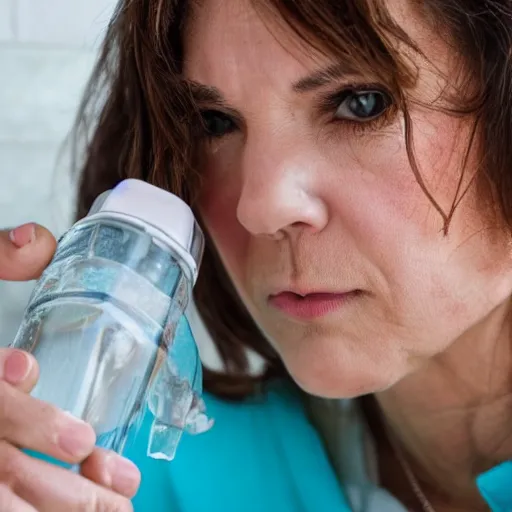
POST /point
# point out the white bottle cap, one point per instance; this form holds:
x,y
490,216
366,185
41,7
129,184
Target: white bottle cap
x,y
162,214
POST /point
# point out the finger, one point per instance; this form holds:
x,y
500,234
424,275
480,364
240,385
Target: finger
x,y
39,426
110,470
25,252
9,502
50,488
19,369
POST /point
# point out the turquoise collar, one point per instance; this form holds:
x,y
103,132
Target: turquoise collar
x,y
495,486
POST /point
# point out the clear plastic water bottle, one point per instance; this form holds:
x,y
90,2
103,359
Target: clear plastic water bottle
x,y
106,320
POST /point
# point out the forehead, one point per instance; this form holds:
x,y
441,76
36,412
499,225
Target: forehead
x,y
226,42
224,35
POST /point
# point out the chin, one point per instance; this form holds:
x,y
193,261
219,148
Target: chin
x,y
344,390
343,378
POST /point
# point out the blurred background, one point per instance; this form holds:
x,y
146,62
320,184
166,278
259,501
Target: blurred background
x,y
47,50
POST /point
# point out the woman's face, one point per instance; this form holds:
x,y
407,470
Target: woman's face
x,y
311,201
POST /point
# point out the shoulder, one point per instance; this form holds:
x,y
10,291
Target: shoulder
x,y
261,454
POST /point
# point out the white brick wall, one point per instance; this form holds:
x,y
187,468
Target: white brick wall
x,y
70,23
66,22
6,20
47,49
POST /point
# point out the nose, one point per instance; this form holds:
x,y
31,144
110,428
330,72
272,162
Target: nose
x,y
279,192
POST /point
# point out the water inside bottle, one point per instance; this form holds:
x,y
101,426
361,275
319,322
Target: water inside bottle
x,y
97,362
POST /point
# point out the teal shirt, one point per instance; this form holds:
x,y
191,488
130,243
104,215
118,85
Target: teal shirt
x,y
262,455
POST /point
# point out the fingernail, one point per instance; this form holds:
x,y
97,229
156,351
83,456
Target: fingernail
x,y
23,235
76,437
124,475
17,367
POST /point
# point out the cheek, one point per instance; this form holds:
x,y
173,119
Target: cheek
x,y
218,205
411,198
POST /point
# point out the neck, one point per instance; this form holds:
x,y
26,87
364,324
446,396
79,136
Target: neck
x,y
453,417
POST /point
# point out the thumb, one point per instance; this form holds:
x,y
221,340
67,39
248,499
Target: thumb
x,y
25,252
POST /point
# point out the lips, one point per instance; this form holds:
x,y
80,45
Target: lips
x,y
310,305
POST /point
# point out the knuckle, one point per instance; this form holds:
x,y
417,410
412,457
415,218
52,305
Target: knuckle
x,y
5,497
97,502
5,400
5,491
120,505
51,421
50,416
13,408
10,464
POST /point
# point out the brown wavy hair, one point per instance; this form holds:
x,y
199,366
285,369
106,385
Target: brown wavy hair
x,y
138,119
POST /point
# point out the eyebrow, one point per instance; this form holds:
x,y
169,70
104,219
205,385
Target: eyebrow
x,y
210,94
205,93
323,77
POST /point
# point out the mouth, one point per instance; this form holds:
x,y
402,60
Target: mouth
x,y
311,305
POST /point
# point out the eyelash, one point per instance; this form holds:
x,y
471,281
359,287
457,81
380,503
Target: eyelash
x,y
327,105
220,115
332,103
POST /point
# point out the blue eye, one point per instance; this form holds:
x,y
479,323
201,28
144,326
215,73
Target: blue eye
x,y
362,105
217,124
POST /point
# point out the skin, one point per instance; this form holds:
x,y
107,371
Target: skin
x,y
297,200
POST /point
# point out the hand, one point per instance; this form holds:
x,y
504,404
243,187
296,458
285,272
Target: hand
x,y
107,481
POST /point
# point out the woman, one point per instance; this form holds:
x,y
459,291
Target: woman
x,y
350,163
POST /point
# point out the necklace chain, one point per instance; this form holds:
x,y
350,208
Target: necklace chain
x,y
409,473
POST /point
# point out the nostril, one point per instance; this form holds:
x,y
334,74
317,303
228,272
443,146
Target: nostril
x,y
278,235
